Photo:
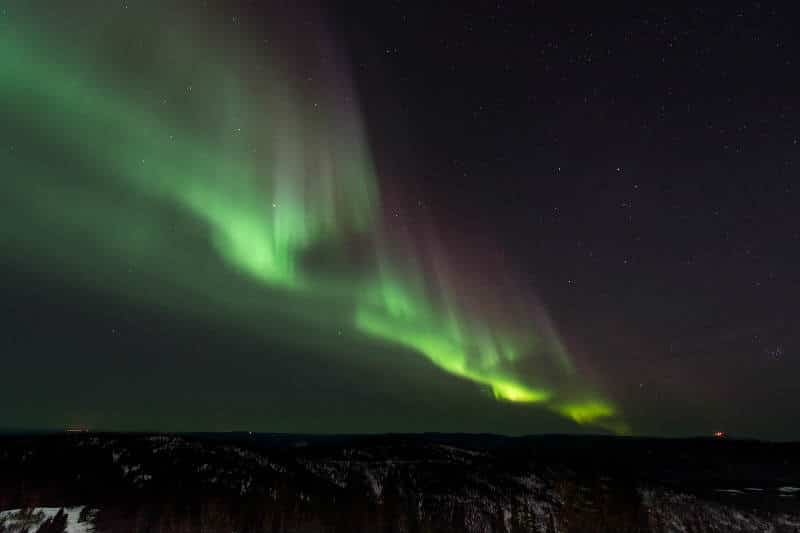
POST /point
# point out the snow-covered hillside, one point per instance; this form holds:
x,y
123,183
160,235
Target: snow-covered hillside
x,y
74,520
403,484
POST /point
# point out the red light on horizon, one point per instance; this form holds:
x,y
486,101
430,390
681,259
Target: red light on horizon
x,y
719,435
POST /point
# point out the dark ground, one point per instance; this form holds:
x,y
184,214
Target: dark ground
x,y
428,482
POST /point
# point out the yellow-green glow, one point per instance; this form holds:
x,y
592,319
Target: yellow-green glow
x,y
584,413
398,315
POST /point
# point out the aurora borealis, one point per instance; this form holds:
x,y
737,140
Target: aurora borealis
x,y
235,215
277,174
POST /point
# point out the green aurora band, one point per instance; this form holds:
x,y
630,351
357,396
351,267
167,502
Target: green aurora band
x,y
118,151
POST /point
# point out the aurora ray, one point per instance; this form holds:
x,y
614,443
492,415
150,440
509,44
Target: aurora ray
x,y
275,169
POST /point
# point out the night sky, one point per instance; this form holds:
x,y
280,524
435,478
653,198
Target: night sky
x,y
512,217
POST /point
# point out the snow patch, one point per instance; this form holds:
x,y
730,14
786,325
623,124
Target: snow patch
x,y
729,491
16,520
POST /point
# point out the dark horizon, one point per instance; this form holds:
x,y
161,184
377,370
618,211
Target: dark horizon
x,y
243,434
